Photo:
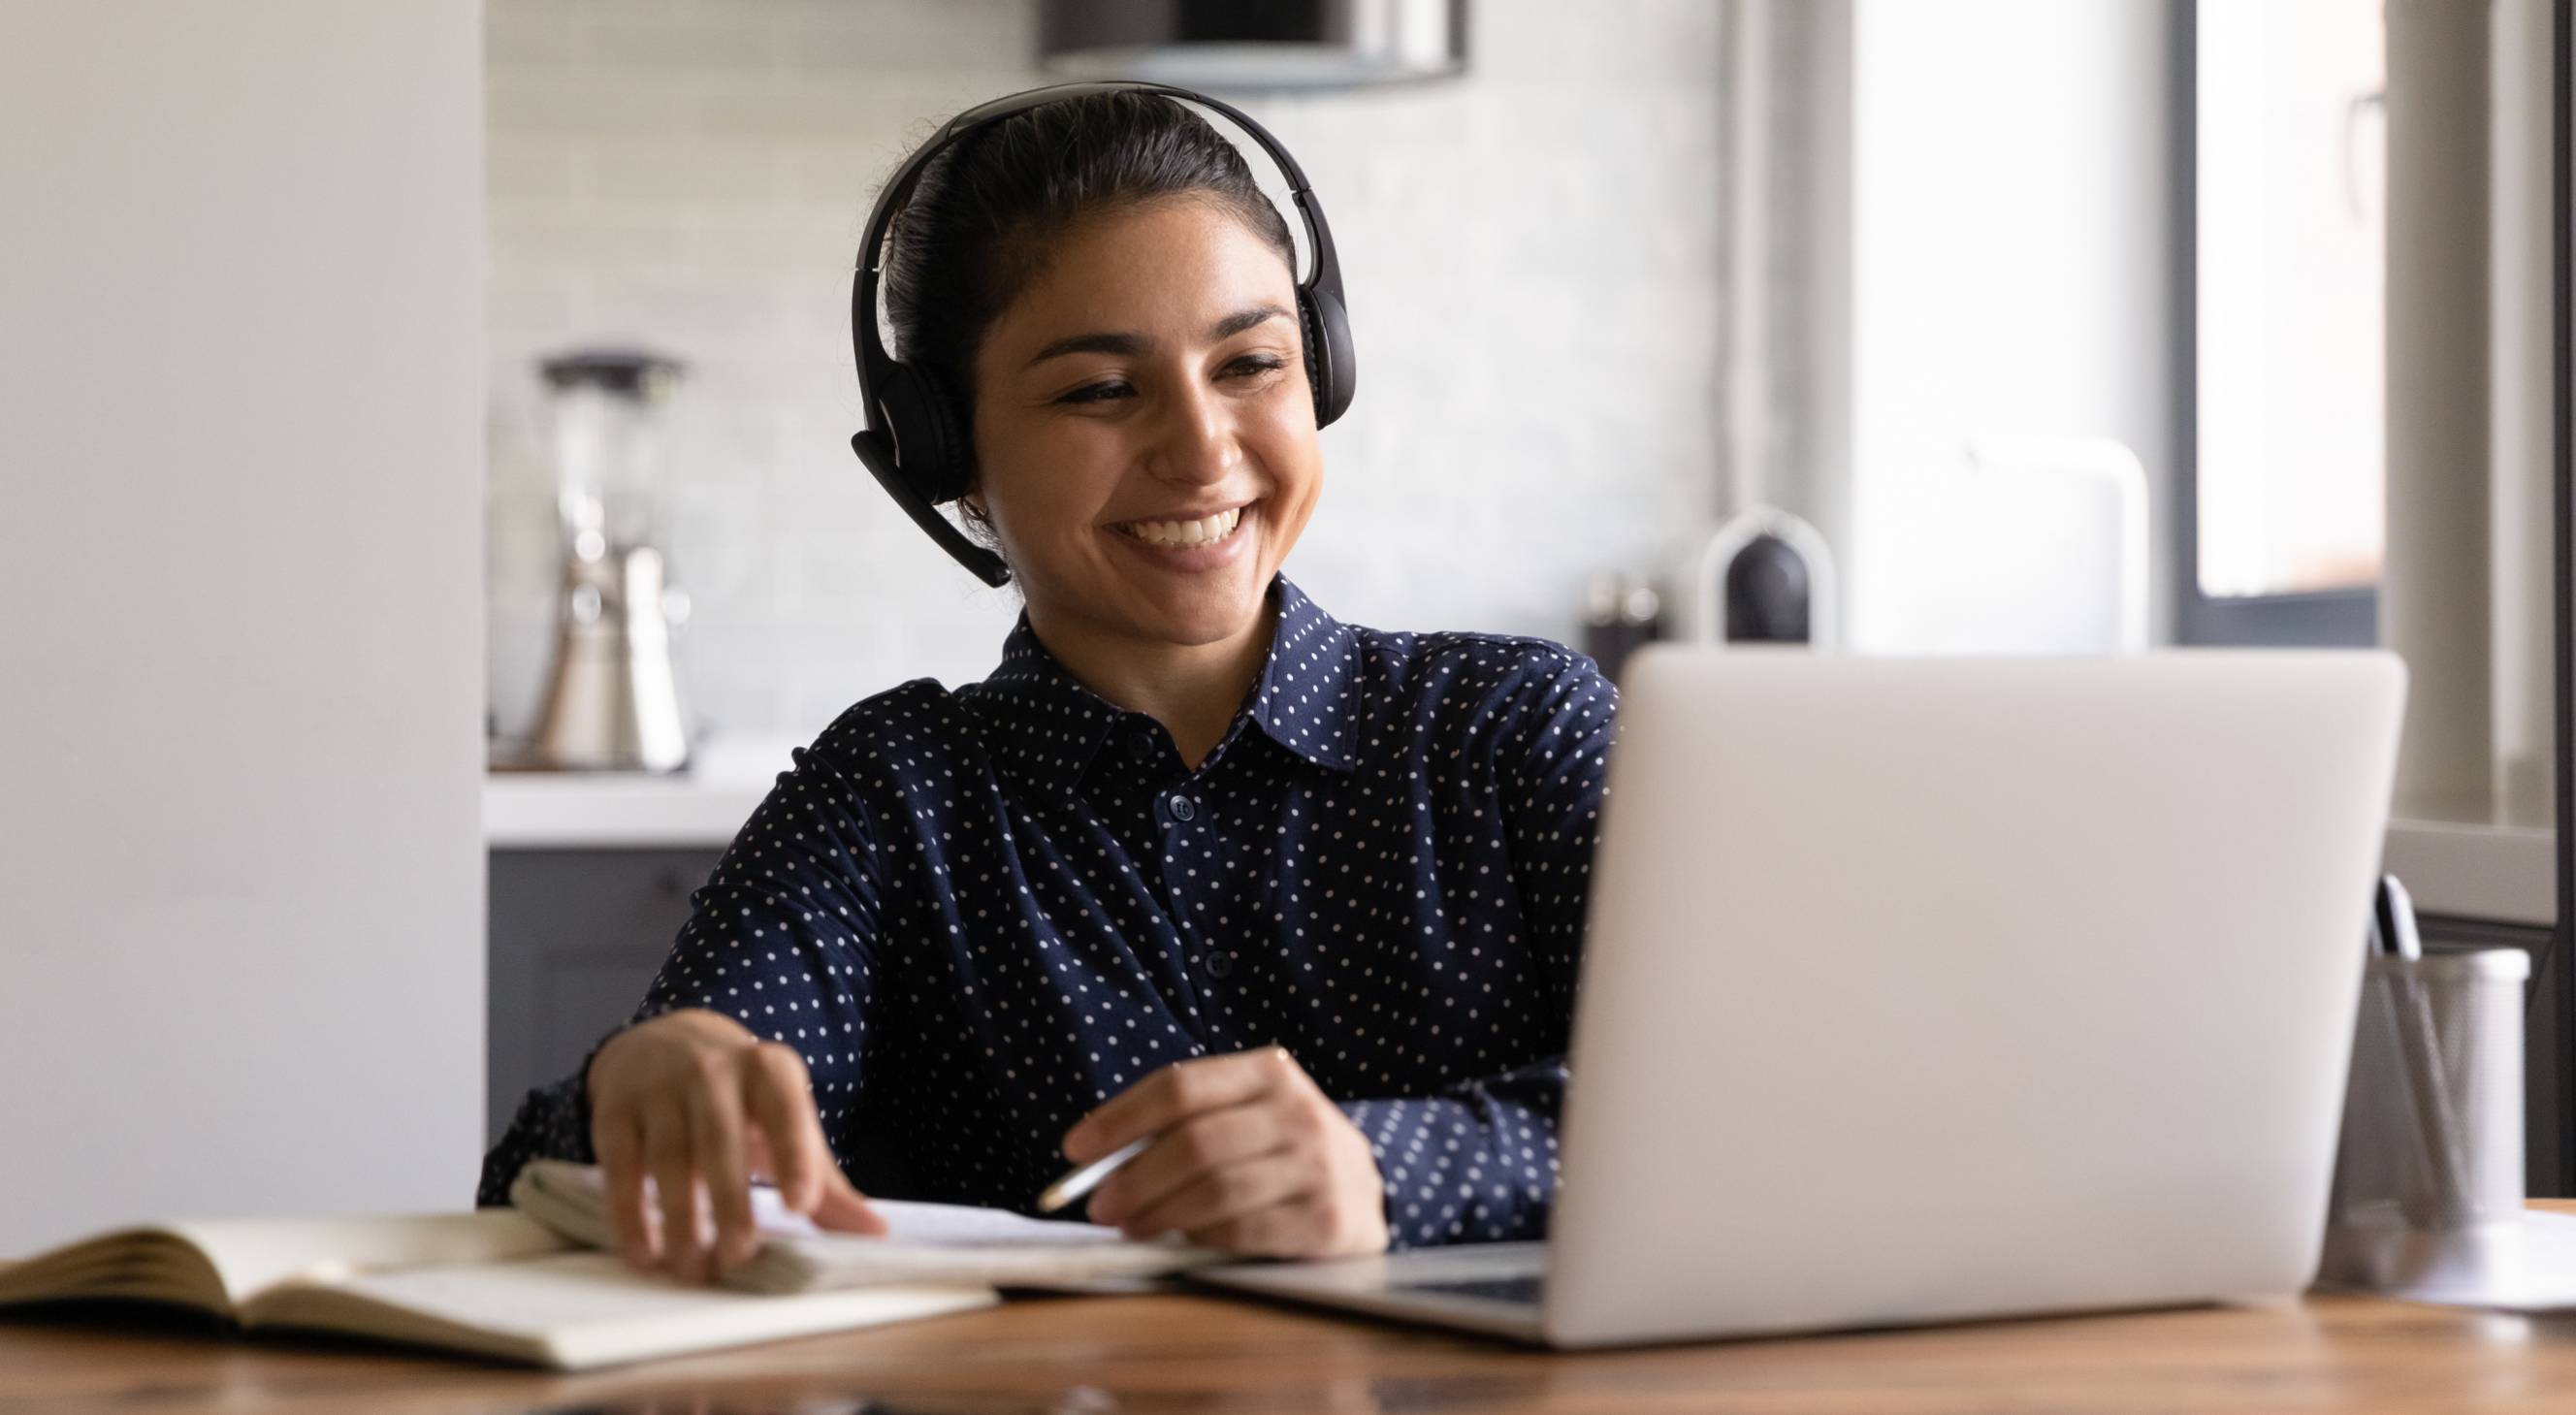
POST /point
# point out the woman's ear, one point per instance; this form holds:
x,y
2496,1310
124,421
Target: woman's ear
x,y
979,518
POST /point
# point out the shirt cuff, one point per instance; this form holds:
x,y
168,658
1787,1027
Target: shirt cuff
x,y
1451,1176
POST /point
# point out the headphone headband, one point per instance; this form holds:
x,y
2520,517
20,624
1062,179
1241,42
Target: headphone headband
x,y
902,407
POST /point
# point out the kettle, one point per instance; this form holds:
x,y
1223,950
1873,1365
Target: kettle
x,y
1763,577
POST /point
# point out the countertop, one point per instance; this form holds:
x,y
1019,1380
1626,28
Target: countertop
x,y
701,807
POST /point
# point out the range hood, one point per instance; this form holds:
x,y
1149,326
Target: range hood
x,y
1254,44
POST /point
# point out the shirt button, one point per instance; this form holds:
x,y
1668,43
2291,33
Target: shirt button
x,y
1220,964
1182,809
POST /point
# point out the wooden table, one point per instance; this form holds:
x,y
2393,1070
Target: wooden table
x,y
1163,1355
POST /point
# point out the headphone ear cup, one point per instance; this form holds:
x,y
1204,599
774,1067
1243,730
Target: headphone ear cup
x,y
1332,370
924,434
956,467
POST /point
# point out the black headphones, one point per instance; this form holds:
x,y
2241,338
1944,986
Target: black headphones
x,y
914,442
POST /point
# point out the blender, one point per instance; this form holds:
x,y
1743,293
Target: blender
x,y
612,700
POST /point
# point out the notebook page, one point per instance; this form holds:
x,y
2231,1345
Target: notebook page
x,y
250,1255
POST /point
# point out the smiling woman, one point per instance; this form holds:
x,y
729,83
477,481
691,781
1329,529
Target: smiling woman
x,y
1294,901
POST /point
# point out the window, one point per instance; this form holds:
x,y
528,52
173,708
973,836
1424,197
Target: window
x,y
2283,254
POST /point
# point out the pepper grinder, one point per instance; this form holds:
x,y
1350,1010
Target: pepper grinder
x,y
1622,613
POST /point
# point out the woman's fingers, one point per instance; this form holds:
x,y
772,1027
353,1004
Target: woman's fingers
x,y
1249,1155
1184,1154
1300,1228
695,1106
1228,1193
621,1165
675,1183
776,1098
846,1210
1174,1094
715,1140
756,1157
781,1104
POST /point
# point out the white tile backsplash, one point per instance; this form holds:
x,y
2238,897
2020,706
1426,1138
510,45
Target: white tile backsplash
x,y
1531,253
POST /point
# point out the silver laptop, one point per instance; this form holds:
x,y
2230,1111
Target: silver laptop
x,y
1926,989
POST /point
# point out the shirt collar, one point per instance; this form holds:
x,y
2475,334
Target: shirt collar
x,y
1048,728
1308,696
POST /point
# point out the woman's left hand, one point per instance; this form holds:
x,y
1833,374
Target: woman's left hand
x,y
1248,1156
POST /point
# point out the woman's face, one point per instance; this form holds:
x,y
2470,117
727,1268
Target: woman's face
x,y
1150,379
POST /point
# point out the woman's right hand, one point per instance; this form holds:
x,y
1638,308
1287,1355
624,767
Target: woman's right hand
x,y
695,1100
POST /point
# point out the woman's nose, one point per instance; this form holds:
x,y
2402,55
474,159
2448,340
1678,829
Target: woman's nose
x,y
1197,441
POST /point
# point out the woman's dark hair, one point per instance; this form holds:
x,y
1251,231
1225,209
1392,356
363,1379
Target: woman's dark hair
x,y
987,214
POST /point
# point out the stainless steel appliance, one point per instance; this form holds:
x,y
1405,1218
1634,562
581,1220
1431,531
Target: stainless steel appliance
x,y
1226,45
613,700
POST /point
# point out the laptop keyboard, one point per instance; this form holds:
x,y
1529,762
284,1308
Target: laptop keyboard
x,y
1523,1289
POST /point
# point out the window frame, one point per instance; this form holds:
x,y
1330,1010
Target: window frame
x,y
2551,1039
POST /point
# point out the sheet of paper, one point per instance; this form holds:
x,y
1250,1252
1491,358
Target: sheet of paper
x,y
961,1225
926,1242
908,1222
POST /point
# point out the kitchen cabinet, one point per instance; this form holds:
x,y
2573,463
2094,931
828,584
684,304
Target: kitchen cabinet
x,y
575,937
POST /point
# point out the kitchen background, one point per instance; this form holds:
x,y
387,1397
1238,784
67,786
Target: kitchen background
x,y
2009,299
1645,259
1532,253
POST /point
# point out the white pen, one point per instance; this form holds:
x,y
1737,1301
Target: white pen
x,y
1082,1181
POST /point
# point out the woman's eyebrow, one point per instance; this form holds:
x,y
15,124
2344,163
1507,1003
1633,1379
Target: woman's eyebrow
x,y
1136,344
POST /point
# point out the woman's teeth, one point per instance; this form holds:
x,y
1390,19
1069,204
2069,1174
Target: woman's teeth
x,y
1200,532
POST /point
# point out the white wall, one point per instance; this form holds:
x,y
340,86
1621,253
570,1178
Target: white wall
x,y
240,869
1531,253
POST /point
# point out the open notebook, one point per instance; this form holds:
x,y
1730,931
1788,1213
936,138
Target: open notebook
x,y
492,1283
923,1242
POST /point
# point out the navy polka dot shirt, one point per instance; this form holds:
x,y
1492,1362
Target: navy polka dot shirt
x,y
980,913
